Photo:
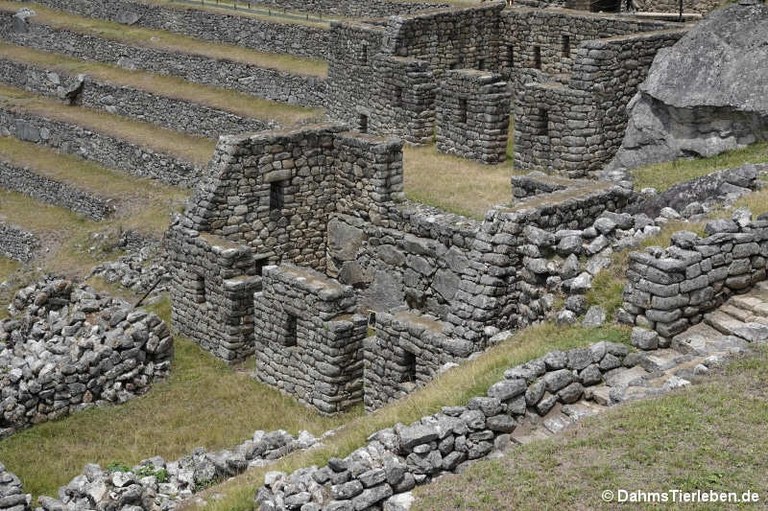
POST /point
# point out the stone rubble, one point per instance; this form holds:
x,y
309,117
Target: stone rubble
x,y
159,485
66,348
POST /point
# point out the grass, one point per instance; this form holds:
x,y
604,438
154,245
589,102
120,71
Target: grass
x,y
454,184
7,267
162,40
663,176
276,15
203,404
451,388
189,148
692,439
168,86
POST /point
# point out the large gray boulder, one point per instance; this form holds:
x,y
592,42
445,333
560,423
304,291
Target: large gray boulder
x,y
704,95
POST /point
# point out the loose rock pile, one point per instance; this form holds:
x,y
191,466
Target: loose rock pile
x,y
66,348
141,270
12,497
155,484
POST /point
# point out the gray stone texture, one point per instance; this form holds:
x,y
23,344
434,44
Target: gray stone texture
x,y
16,243
704,95
165,111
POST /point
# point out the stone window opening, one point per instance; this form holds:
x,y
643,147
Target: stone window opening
x,y
462,112
409,367
277,195
566,46
362,123
200,295
481,64
537,57
397,96
510,56
543,122
364,54
371,319
291,331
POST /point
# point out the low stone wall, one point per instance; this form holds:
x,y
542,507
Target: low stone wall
x,y
158,484
172,113
66,348
670,289
12,496
104,149
298,312
296,39
472,115
397,459
16,243
26,181
262,82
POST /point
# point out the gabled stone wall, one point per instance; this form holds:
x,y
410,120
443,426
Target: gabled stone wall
x,y
308,338
472,115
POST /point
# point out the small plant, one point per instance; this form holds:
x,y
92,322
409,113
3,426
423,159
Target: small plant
x,y
118,466
160,474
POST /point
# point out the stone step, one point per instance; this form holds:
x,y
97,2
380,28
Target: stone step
x,y
751,303
728,325
735,311
702,340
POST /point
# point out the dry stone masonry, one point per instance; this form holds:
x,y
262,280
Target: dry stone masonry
x,y
669,290
16,243
105,149
12,496
171,113
66,348
250,79
45,189
326,207
472,116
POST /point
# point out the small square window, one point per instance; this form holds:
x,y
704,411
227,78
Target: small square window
x,y
276,195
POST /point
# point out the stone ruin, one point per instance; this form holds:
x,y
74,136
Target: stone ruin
x,y
296,241
568,76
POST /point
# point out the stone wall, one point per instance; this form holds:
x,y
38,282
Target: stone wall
x,y
577,128
51,191
66,348
308,338
384,74
169,112
12,496
17,244
104,149
670,289
472,116
673,6
267,199
301,40
231,74
396,459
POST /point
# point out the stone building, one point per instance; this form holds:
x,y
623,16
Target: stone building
x,y
296,241
569,73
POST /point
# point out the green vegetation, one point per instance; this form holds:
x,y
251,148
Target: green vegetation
x,y
451,388
172,42
663,176
454,184
709,436
204,403
170,86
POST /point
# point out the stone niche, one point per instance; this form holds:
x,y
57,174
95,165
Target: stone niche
x,y
472,115
308,338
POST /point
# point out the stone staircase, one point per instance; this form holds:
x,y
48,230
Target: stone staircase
x,y
732,329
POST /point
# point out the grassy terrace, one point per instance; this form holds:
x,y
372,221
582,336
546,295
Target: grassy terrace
x,y
709,436
455,184
172,42
257,11
169,86
190,148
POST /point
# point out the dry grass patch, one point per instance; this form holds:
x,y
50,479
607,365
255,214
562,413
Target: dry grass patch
x,y
276,15
7,267
711,436
168,86
455,184
189,148
663,176
451,388
203,404
172,42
